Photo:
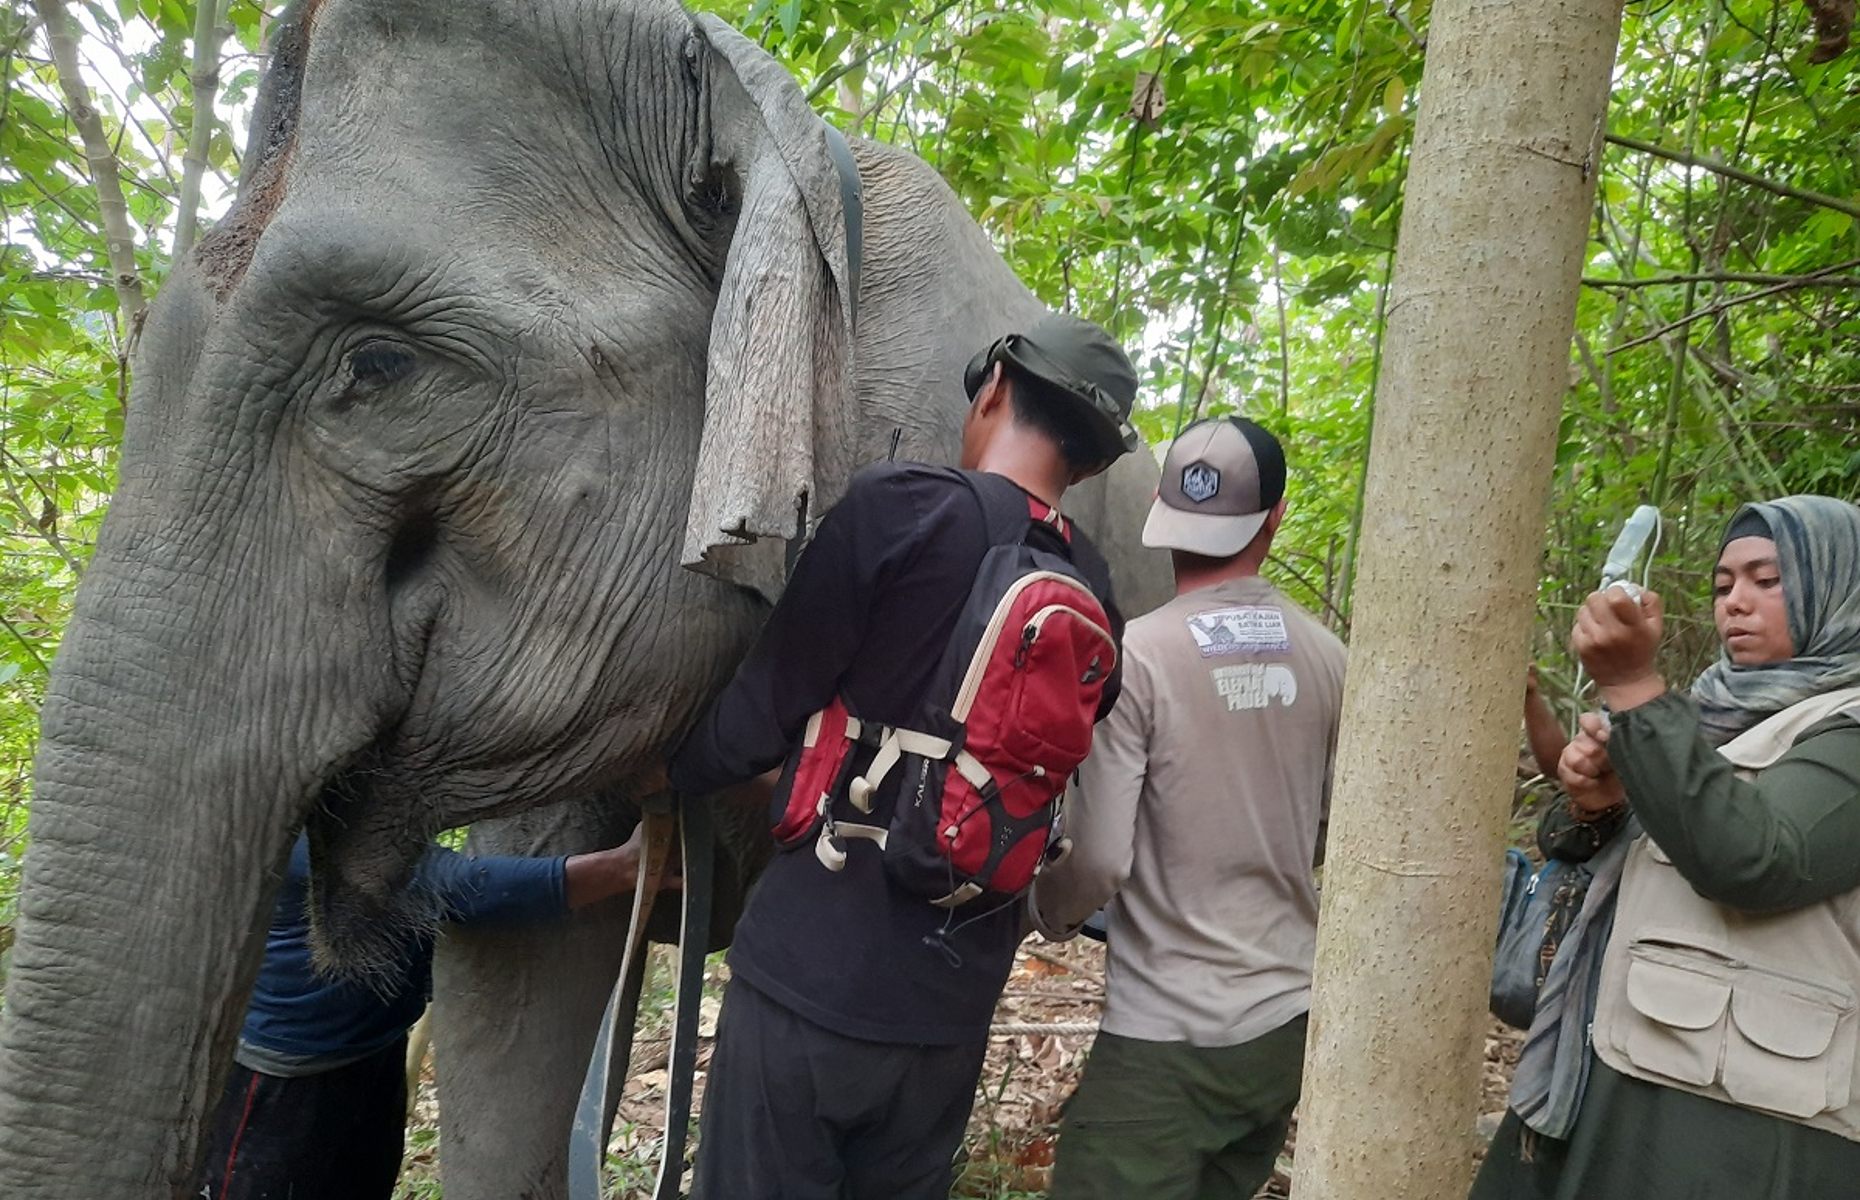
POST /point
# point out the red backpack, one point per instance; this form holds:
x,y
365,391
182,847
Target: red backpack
x,y
982,768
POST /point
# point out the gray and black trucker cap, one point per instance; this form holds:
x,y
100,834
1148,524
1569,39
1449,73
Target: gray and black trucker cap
x,y
1220,479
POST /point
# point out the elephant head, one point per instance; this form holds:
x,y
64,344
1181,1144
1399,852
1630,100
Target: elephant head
x,y
523,306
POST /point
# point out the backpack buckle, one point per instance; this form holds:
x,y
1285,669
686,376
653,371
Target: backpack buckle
x,y
830,846
962,895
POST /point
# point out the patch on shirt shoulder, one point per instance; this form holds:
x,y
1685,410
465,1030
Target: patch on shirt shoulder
x,y
1251,629
1254,685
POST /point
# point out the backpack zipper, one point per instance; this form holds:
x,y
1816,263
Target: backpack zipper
x,y
1038,619
984,649
1031,633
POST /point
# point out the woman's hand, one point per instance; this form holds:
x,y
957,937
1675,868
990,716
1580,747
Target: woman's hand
x,y
1585,772
1616,637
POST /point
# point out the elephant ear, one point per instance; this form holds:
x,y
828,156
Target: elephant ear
x,y
779,424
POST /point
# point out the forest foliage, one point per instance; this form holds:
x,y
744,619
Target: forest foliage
x,y
1219,183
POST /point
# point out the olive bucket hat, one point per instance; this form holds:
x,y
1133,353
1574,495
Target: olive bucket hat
x,y
1080,362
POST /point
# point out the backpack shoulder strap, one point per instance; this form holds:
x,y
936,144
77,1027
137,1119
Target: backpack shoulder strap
x,y
1003,505
1011,514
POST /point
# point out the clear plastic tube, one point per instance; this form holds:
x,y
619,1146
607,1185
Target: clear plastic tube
x,y
1632,553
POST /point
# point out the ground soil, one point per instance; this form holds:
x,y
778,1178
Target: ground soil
x,y
1043,1034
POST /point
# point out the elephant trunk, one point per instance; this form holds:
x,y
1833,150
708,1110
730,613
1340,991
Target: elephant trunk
x,y
175,765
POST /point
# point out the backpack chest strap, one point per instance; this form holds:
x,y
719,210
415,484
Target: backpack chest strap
x,y
896,743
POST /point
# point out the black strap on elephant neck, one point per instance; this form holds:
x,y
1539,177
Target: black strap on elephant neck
x,y
690,823
852,200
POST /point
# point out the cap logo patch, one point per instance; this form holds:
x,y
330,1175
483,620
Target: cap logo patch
x,y
1200,482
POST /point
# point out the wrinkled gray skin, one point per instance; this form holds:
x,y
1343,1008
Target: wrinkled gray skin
x,y
397,545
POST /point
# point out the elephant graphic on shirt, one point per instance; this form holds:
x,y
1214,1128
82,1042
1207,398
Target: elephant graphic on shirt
x,y
1255,684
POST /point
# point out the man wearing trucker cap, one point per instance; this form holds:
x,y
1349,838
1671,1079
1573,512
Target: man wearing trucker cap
x,y
1199,816
857,1013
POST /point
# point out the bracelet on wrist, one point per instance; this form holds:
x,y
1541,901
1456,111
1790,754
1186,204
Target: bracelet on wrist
x,y
1587,816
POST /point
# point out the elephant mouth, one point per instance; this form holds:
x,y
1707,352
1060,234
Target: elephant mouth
x,y
367,907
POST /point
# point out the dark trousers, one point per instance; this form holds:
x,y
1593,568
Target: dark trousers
x,y
333,1136
1170,1121
793,1111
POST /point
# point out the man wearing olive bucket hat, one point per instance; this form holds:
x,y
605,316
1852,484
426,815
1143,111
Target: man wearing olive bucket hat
x,y
857,1014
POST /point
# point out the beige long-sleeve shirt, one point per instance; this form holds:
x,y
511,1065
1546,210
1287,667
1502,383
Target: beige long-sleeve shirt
x,y
1198,816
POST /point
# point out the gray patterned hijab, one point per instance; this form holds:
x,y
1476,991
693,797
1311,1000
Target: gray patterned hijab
x,y
1818,551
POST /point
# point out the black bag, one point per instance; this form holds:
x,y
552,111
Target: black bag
x,y
1534,914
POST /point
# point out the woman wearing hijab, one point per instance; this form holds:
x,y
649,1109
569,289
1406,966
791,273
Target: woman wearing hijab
x,y
1712,1051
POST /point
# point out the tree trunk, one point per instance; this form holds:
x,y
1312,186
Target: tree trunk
x,y
1494,228
61,35
206,80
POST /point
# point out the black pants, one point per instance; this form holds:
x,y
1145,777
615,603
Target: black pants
x,y
333,1136
796,1112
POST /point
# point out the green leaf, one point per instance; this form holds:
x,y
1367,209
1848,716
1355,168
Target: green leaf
x,y
1827,225
1331,283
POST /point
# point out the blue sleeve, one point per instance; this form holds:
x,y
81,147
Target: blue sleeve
x,y
811,637
493,889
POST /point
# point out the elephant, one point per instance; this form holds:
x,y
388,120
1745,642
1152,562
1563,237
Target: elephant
x,y
460,461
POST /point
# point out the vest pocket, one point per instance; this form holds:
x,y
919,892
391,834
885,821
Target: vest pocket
x,y
1770,1041
1675,1023
1790,1047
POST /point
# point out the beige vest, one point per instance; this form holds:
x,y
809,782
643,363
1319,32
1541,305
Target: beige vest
x,y
1760,1010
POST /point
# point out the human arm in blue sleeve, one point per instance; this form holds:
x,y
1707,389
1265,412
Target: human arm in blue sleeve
x,y
493,888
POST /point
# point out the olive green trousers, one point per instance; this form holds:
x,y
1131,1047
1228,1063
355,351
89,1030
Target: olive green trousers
x,y
1170,1121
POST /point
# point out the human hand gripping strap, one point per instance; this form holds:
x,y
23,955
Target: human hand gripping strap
x,y
689,822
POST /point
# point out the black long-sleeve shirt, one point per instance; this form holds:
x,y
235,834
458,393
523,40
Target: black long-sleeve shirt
x,y
867,616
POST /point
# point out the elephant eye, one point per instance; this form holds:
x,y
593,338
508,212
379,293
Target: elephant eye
x,y
374,365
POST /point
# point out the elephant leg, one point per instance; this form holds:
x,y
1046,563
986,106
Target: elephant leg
x,y
515,1013
515,1010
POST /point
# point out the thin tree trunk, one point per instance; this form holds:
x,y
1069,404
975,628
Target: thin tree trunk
x,y
1285,354
1680,351
1211,360
1348,579
119,235
206,79
1491,250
